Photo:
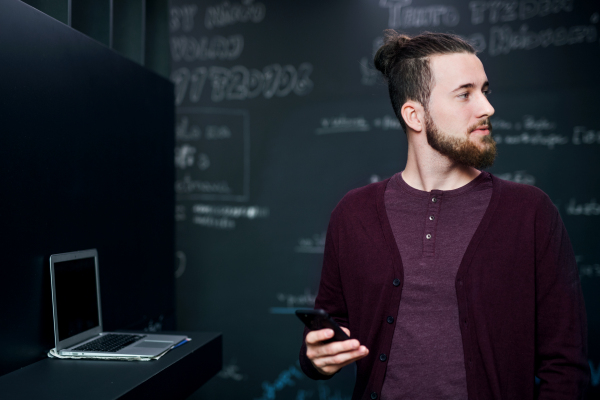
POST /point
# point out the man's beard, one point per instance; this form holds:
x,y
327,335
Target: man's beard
x,y
462,150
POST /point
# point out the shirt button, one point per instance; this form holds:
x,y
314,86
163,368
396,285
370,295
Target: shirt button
x,y
428,236
433,199
396,282
382,357
390,320
373,395
431,217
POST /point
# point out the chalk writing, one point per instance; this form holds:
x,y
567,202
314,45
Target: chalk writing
x,y
181,262
239,83
403,16
285,378
582,135
537,139
589,208
342,124
368,74
182,17
184,156
387,122
228,14
505,11
518,177
503,39
212,155
188,48
189,185
217,132
231,371
305,300
180,213
223,217
501,125
316,244
588,270
183,131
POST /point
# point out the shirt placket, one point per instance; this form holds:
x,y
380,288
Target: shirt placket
x,y
431,220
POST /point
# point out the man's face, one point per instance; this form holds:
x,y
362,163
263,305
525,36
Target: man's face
x,y
457,120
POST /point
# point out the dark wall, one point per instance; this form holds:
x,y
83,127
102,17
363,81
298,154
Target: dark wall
x,y
280,113
87,147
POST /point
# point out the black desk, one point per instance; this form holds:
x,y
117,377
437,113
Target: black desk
x,y
176,375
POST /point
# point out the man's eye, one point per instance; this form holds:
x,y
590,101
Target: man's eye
x,y
463,95
487,92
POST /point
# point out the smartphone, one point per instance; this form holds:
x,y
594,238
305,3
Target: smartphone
x,y
319,319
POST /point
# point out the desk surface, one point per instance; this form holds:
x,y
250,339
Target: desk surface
x,y
176,375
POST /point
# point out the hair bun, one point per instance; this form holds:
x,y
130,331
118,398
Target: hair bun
x,y
386,56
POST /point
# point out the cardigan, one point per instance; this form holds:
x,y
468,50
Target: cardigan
x,y
521,308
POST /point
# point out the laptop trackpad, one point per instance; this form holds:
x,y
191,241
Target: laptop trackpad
x,y
155,344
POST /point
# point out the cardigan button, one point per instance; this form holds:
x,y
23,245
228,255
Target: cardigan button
x,y
396,282
390,320
382,357
373,395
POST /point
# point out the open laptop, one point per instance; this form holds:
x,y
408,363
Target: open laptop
x,y
78,317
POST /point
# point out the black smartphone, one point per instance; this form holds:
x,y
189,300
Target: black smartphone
x,y
319,319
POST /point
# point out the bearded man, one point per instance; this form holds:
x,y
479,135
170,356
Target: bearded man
x,y
451,283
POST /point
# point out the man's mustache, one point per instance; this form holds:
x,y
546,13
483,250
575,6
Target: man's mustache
x,y
480,123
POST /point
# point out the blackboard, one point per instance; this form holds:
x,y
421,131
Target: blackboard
x,y
280,113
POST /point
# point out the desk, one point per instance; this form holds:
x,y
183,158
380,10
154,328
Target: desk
x,y
176,375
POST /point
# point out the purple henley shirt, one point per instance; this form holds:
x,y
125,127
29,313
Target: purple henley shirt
x,y
432,231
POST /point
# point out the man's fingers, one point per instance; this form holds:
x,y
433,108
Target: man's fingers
x,y
314,337
346,330
341,359
335,348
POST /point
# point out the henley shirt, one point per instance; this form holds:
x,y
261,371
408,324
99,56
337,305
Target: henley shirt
x,y
520,304
432,231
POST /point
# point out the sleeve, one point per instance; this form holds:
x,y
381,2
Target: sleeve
x,y
330,298
561,326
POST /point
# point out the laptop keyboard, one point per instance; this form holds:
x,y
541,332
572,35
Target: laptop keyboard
x,y
110,342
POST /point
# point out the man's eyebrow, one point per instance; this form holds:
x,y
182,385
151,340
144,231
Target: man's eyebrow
x,y
470,86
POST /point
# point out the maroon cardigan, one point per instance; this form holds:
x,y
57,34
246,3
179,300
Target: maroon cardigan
x,y
520,304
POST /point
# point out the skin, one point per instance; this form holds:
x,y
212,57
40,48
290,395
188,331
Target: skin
x,y
457,112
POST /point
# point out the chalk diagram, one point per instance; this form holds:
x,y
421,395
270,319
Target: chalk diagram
x,y
212,154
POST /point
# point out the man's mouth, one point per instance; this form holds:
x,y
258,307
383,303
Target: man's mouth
x,y
482,130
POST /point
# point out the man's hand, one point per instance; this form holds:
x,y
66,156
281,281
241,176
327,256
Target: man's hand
x,y
331,357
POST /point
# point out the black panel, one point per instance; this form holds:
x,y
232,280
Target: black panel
x,y
87,150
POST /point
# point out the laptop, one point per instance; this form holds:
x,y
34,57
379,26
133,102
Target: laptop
x,y
78,317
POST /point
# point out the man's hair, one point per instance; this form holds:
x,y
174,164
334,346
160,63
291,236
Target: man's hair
x,y
404,62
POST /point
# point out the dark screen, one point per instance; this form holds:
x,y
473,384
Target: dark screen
x,y
76,299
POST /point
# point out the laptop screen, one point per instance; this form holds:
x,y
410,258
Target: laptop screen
x,y
76,297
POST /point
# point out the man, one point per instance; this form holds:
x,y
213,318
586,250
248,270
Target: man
x,y
452,283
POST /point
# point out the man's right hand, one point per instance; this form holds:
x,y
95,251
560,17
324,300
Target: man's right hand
x,y
331,357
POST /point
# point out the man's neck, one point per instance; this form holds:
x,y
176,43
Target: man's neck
x,y
427,170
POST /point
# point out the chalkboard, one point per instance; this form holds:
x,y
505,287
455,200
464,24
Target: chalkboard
x,y
280,113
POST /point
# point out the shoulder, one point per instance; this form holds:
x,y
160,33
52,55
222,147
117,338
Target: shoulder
x,y
360,201
525,199
521,195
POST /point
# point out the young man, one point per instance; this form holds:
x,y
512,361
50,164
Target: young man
x,y
453,284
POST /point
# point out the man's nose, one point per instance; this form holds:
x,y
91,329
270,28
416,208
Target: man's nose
x,y
485,107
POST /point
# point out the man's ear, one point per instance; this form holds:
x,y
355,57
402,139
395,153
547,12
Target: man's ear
x,y
412,112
